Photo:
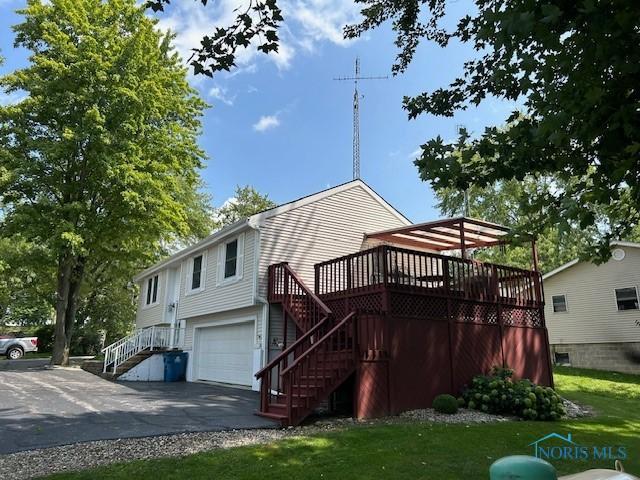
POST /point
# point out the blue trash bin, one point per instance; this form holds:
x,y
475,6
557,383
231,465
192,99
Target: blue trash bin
x,y
175,366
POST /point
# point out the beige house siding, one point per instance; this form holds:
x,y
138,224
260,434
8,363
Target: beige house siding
x,y
217,295
592,315
327,228
148,315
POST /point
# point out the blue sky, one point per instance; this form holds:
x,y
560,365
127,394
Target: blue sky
x,y
281,124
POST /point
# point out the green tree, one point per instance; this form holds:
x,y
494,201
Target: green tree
x,y
100,161
26,293
246,201
574,66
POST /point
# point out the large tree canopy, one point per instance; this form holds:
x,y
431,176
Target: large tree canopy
x,y
100,161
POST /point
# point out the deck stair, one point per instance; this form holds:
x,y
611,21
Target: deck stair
x,y
97,366
317,363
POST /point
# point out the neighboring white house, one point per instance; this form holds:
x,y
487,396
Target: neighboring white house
x,y
216,289
592,311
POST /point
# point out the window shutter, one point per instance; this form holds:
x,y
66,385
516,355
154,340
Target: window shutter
x,y
203,271
220,267
240,259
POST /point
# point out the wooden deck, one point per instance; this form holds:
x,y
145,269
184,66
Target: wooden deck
x,y
411,283
406,325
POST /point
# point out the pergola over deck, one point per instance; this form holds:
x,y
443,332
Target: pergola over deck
x,y
460,233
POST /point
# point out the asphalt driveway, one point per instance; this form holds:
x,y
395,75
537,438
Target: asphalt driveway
x,y
43,408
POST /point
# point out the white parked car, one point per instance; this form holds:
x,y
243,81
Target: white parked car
x,y
15,348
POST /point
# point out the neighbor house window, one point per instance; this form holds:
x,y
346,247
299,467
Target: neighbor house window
x,y
559,303
562,359
152,290
231,259
196,273
627,298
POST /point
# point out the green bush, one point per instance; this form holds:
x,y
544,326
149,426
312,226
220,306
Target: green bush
x,y
498,393
45,337
445,404
85,342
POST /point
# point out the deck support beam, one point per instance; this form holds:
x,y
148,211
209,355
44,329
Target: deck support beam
x,y
463,246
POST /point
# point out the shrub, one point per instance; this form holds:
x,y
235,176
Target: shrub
x,y
445,404
498,393
45,337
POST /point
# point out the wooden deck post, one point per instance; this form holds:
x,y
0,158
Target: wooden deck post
x,y
534,254
463,247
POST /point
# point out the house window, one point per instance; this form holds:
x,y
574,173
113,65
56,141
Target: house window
x,y
152,290
559,303
196,274
562,358
627,298
231,259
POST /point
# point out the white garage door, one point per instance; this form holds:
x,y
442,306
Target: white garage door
x,y
225,353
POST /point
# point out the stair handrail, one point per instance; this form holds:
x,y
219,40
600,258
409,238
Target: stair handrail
x,y
285,266
317,344
141,339
120,341
286,352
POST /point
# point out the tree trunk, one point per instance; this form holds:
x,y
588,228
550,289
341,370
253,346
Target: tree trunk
x,y
70,273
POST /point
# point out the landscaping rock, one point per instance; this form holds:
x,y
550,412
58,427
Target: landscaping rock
x,y
576,411
464,415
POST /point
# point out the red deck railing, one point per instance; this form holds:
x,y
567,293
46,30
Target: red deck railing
x,y
432,273
304,306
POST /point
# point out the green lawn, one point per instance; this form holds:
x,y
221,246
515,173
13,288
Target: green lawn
x,y
417,451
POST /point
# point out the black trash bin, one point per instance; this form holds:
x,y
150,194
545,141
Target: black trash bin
x,y
175,366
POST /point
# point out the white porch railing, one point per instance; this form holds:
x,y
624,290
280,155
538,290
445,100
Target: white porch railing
x,y
146,339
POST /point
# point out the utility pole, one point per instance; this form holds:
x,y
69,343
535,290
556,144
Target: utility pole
x,y
356,115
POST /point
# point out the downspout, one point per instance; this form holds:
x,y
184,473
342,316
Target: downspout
x,y
257,298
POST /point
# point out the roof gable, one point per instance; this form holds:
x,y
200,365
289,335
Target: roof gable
x,y
258,218
575,261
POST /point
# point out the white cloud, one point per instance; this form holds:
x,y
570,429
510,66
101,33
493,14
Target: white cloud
x,y
307,23
415,154
221,93
190,21
321,20
266,122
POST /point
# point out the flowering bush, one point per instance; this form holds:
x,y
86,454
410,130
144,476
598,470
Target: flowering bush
x,y
498,393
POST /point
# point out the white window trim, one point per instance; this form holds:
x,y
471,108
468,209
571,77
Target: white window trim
x,y
222,253
189,277
566,304
615,299
146,305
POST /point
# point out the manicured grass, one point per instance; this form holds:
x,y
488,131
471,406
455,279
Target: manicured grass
x,y
417,451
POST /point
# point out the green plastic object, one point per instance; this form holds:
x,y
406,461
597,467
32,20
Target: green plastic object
x,y
522,467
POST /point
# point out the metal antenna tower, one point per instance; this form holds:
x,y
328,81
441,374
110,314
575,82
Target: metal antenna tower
x,y
356,115
465,207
